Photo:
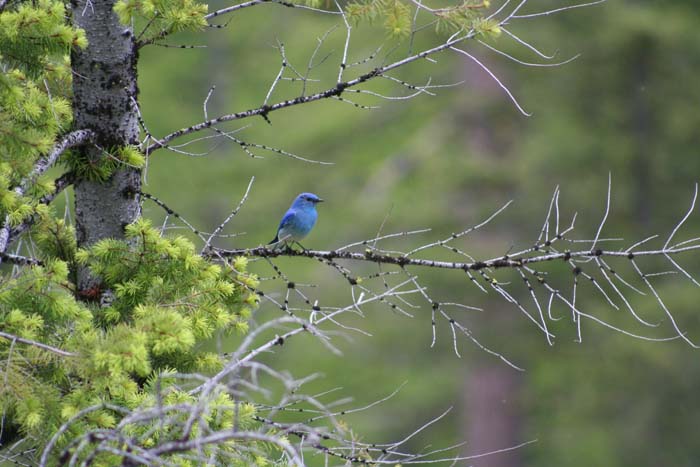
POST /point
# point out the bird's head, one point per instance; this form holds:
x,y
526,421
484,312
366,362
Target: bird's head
x,y
306,200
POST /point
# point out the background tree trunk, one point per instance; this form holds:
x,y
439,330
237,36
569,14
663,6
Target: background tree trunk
x,y
492,416
104,83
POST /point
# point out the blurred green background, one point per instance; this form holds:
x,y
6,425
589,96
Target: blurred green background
x,y
629,105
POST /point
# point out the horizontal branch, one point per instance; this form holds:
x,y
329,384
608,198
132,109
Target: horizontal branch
x,y
403,260
56,350
20,260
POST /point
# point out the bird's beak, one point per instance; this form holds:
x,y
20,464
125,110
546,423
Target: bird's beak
x,y
319,200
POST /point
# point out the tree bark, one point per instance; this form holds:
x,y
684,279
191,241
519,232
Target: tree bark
x,y
104,84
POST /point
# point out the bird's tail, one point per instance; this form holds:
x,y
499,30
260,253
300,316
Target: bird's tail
x,y
275,240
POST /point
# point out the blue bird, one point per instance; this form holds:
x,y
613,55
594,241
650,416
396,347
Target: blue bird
x,y
298,220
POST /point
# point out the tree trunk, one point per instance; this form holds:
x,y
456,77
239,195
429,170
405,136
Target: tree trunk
x,y
492,416
643,130
104,84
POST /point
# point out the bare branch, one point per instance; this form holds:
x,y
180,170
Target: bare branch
x,y
335,91
495,78
528,45
20,260
557,10
685,218
607,211
230,216
511,262
525,263
56,350
521,62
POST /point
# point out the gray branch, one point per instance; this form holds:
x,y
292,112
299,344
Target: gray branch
x,y
334,92
75,138
514,262
56,350
20,260
72,139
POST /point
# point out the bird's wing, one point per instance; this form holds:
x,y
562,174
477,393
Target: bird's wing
x,y
287,219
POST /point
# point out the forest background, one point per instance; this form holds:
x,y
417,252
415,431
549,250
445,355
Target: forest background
x,y
628,106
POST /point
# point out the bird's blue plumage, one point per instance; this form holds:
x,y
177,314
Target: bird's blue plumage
x,y
299,219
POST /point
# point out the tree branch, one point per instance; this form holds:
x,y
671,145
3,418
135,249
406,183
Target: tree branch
x,y
544,250
20,260
61,183
72,139
333,92
512,262
56,350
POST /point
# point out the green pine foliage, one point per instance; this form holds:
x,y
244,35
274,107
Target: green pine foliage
x,y
35,44
162,17
35,37
100,169
150,270
398,16
167,303
89,357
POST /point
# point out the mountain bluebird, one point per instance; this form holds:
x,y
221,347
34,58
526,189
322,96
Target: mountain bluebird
x,y
298,220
